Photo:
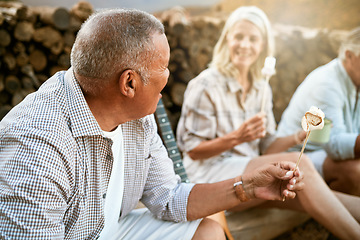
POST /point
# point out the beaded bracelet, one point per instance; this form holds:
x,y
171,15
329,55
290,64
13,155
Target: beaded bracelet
x,y
239,190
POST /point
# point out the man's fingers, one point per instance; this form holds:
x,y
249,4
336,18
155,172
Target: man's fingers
x,y
282,170
289,194
299,174
298,186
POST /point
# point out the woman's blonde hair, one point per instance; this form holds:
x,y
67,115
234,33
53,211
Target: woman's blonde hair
x,y
221,55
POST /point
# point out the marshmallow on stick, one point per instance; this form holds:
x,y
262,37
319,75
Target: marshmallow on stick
x,y
313,119
267,71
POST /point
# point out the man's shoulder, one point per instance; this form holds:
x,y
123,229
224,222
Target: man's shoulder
x,y
147,123
321,80
41,130
326,72
41,112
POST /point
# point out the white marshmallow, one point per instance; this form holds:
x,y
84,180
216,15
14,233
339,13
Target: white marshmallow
x,y
313,119
269,67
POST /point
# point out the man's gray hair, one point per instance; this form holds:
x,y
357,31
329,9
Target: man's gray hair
x,y
111,41
351,43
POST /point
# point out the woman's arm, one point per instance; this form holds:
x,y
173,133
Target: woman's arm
x,y
282,144
250,130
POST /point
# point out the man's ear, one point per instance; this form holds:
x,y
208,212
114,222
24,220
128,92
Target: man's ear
x,y
349,55
127,82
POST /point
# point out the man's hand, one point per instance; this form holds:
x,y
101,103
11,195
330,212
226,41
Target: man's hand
x,y
273,181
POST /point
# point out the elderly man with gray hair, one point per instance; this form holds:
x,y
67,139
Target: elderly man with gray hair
x,y
335,88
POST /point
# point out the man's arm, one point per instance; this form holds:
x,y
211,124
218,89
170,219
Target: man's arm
x,y
284,143
262,183
163,193
32,204
168,199
333,101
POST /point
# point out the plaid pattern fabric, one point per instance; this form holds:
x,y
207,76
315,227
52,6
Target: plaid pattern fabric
x,y
212,108
55,165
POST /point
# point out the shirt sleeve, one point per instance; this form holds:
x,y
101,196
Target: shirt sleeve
x,y
341,144
164,194
199,121
32,202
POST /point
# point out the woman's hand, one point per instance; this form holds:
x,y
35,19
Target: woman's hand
x,y
299,136
251,129
273,181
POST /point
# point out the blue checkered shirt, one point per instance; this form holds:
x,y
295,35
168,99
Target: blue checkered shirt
x,y
55,165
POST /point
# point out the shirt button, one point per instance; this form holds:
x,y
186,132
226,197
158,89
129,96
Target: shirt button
x,y
104,195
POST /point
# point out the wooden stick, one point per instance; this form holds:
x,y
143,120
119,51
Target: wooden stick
x,y
302,150
264,94
298,161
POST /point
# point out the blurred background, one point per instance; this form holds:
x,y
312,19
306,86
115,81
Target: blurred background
x,y
145,5
334,14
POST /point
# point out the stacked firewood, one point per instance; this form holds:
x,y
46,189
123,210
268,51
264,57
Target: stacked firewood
x,y
35,42
192,39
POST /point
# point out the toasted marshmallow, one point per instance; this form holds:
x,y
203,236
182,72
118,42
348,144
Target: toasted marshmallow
x,y
313,119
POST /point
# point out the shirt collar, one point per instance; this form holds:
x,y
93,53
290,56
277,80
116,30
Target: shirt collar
x,y
82,121
234,86
350,86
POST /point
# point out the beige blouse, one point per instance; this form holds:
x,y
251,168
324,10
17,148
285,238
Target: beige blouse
x,y
212,107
